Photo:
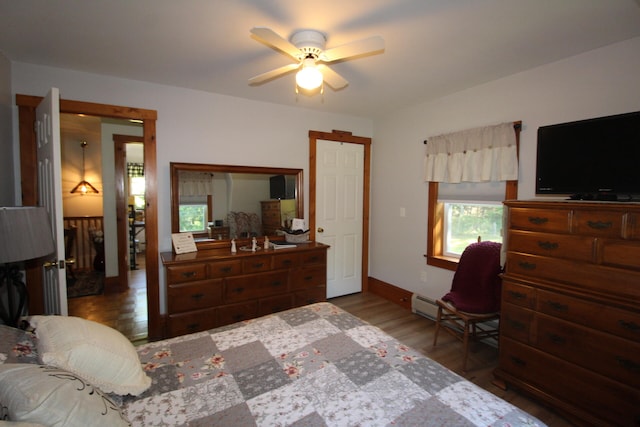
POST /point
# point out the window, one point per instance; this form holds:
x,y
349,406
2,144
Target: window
x,y
441,251
136,189
193,217
466,222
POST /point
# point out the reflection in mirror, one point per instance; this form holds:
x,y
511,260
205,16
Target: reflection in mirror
x,y
221,202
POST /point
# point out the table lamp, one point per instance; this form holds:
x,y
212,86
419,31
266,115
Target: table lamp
x,y
25,234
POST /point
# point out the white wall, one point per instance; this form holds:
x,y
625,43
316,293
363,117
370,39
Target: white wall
x,y
196,126
597,83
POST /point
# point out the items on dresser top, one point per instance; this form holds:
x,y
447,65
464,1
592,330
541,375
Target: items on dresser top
x,y
570,321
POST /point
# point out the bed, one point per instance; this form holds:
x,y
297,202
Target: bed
x,y
315,365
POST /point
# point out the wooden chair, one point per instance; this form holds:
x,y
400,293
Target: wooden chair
x,y
472,307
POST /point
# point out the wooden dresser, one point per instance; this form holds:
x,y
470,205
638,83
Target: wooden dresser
x,y
570,321
274,213
214,287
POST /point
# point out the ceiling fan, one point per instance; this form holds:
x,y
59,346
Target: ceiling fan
x,y
307,47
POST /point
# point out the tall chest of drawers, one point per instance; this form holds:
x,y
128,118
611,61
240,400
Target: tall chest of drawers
x,y
214,287
570,319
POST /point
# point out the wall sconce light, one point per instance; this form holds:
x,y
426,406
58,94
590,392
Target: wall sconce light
x,y
84,186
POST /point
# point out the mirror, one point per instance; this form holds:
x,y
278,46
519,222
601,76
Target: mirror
x,y
220,202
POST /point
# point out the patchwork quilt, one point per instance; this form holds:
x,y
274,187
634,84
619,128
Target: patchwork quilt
x,y
311,366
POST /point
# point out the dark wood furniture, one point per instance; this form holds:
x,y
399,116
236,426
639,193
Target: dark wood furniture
x,y
214,287
570,321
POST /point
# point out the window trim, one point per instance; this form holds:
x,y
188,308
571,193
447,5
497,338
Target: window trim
x,y
435,217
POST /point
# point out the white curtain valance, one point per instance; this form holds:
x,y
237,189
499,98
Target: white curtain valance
x,y
195,183
474,155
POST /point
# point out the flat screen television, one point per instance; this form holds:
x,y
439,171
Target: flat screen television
x,y
282,187
594,159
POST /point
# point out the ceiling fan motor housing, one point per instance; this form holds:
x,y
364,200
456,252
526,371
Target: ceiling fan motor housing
x,y
310,42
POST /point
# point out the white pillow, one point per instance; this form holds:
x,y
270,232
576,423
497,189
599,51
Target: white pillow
x,y
54,397
99,354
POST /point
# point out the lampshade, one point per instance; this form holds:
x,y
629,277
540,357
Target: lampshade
x,y
84,186
309,77
25,233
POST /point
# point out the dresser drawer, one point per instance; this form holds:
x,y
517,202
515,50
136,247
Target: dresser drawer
x,y
255,286
589,393
579,275
581,248
233,313
550,220
286,260
256,264
516,322
620,253
307,277
599,316
274,304
610,356
311,296
598,223
314,257
194,295
271,217
225,268
192,321
186,273
518,294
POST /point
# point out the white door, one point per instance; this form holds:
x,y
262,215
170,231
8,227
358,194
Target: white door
x,y
50,196
339,186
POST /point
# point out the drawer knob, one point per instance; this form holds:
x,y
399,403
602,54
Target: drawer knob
x,y
548,245
188,274
558,306
517,325
286,261
239,290
600,225
629,365
197,297
631,326
517,361
276,283
527,265
557,339
307,278
258,265
538,220
517,295
193,326
225,270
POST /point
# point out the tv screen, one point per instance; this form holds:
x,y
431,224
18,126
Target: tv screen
x,y
590,159
282,187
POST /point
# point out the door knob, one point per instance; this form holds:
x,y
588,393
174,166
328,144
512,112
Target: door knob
x,y
320,230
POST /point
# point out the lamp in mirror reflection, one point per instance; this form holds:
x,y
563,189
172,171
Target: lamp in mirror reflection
x,y
25,234
84,186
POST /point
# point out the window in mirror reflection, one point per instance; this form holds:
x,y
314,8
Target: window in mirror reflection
x,y
193,217
136,189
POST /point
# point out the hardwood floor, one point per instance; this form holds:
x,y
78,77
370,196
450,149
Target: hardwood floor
x,y
127,312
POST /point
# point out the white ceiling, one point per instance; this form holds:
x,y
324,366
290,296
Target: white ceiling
x,y
433,47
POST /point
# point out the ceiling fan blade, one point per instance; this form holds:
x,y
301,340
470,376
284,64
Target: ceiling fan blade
x,y
270,37
333,79
360,47
261,78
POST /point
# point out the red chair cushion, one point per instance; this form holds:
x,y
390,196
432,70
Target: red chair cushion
x,y
476,283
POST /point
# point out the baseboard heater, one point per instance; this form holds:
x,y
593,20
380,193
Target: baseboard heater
x,y
424,306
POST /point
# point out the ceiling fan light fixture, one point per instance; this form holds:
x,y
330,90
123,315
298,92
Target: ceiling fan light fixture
x,y
309,77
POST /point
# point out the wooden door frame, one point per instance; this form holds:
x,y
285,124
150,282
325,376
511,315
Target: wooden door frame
x,y
342,136
122,212
29,178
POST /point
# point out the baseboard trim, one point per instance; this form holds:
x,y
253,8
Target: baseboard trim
x,y
390,292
